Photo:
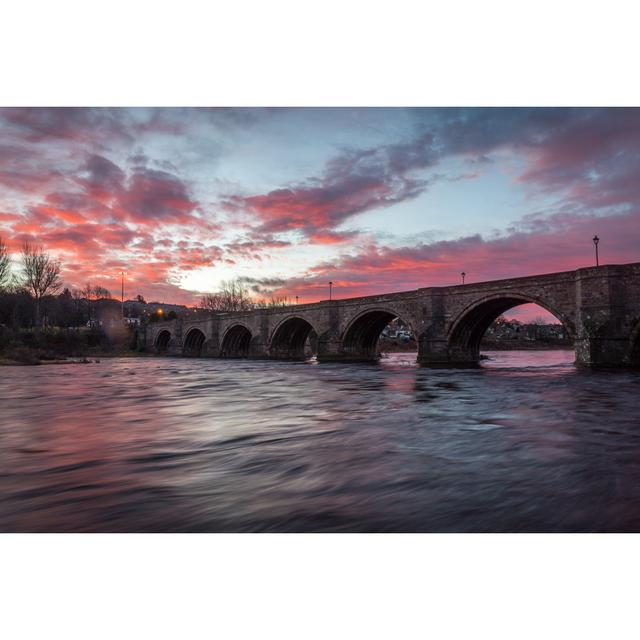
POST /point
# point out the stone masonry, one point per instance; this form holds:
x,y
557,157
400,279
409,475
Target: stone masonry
x,y
598,306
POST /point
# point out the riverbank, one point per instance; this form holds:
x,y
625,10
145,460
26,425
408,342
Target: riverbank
x,y
27,359
64,345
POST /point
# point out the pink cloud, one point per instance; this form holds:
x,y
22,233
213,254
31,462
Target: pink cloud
x,y
100,215
353,182
556,244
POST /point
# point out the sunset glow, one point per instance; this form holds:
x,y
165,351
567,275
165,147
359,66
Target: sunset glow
x,y
375,200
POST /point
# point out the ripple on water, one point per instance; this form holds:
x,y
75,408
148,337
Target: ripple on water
x,y
526,442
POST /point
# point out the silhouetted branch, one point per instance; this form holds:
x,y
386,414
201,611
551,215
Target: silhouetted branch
x,y
5,265
233,296
41,274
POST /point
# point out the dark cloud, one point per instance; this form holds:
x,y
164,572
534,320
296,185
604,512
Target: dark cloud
x,y
153,195
19,170
39,124
102,178
590,156
353,182
263,286
255,248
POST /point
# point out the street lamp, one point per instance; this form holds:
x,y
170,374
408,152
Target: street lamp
x,y
296,299
122,294
595,244
463,274
330,286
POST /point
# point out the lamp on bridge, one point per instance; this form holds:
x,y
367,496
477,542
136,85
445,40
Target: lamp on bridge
x,y
595,244
330,286
463,274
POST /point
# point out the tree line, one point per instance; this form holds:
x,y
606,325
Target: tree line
x,y
234,295
32,297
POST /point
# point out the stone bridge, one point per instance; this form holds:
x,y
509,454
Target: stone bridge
x,y
598,306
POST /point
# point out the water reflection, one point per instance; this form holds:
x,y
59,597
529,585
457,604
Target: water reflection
x,y
524,443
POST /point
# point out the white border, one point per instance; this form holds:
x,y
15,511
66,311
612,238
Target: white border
x,y
335,52
331,586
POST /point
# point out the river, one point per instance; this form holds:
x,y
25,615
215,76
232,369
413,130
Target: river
x,y
526,442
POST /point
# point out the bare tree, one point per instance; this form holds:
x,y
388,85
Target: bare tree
x,y
41,274
5,265
78,302
273,301
91,292
87,294
101,292
233,296
537,322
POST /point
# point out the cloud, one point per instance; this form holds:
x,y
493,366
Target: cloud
x,y
19,171
75,123
255,249
110,220
559,243
100,178
156,196
592,156
353,182
104,188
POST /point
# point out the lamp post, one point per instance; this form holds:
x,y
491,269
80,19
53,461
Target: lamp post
x,y
595,244
296,299
463,274
122,294
330,286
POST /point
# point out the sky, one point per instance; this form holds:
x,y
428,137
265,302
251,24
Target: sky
x,y
373,199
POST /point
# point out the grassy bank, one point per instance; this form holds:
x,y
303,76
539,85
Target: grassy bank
x,y
56,346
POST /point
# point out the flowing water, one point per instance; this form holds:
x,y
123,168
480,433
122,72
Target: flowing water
x,y
526,442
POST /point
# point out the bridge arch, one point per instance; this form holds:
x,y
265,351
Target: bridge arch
x,y
360,338
289,338
194,342
162,340
236,341
468,328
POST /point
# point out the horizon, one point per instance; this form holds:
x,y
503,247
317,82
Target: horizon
x,y
374,199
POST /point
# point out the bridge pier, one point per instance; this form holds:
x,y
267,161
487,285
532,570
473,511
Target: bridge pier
x,y
602,352
330,348
258,349
439,354
607,316
433,352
